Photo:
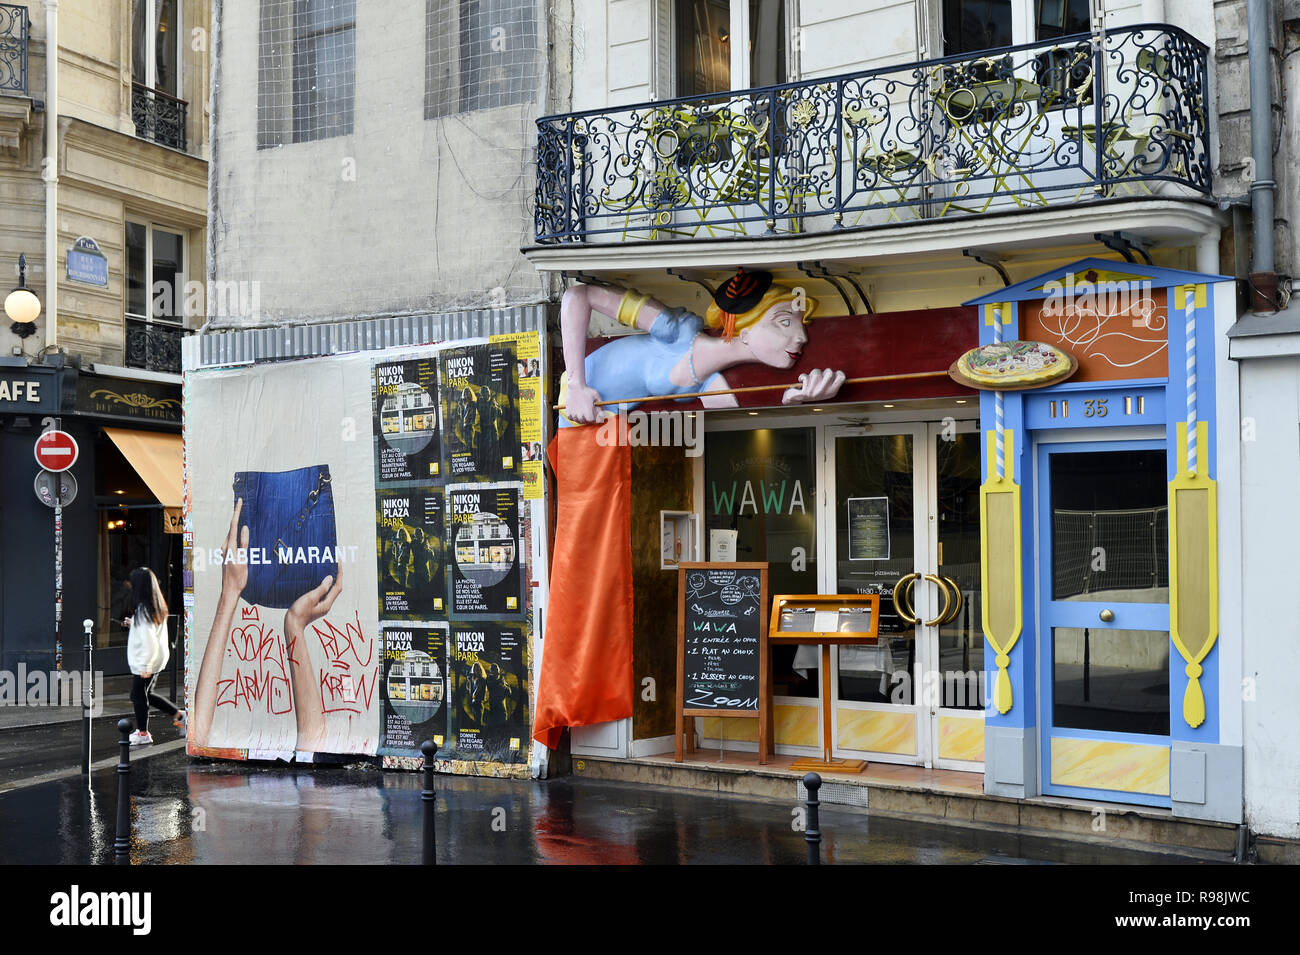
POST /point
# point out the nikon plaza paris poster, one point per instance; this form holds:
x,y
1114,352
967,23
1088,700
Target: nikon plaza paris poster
x,y
320,548
410,529
485,543
406,420
489,716
480,412
414,688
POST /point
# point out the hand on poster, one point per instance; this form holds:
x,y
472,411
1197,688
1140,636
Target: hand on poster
x,y
234,577
308,706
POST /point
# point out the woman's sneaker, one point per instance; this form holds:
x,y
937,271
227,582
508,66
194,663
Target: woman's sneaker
x,y
140,739
181,720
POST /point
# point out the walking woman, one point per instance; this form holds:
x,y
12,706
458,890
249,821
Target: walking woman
x,y
147,652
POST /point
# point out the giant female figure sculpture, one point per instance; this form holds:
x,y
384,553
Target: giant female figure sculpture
x,y
759,320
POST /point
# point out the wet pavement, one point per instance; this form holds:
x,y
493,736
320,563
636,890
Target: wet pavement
x,y
187,811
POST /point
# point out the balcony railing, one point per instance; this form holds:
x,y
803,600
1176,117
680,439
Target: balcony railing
x,y
13,48
158,116
1024,127
153,346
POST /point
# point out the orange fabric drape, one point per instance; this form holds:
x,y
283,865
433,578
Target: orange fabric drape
x,y
586,674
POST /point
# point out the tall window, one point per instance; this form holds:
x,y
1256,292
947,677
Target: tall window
x,y
307,69
156,45
709,57
155,272
479,54
970,26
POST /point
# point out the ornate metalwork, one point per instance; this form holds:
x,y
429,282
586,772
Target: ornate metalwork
x,y
1041,124
153,346
13,48
158,116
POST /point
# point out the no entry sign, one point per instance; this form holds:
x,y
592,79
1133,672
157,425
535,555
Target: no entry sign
x,y
56,450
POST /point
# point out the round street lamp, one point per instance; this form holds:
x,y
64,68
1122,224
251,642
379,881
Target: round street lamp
x,y
21,305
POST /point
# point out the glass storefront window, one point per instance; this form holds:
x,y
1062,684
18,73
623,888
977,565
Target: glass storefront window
x,y
762,485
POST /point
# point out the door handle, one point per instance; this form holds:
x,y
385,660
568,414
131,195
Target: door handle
x,y
908,615
958,602
943,617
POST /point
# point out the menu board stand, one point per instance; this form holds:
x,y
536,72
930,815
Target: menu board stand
x,y
826,620
723,666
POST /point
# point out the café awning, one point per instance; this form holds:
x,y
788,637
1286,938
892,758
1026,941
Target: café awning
x,y
156,457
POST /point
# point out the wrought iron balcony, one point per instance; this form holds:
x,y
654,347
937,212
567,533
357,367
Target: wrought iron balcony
x,y
153,346
1024,127
13,48
158,116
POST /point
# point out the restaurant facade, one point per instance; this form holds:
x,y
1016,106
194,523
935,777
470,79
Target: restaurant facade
x,y
1059,592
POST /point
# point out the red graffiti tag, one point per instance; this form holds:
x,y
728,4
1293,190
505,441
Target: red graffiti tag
x,y
349,677
261,680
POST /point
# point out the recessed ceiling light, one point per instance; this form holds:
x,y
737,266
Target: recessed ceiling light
x,y
119,492
889,406
961,401
817,409
753,412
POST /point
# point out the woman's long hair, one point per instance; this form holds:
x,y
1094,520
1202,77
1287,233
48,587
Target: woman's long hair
x,y
150,604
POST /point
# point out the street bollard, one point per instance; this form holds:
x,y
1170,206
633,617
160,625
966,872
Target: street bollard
x,y
812,834
429,798
122,842
87,696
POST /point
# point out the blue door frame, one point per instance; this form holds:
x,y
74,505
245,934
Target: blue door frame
x,y
1080,614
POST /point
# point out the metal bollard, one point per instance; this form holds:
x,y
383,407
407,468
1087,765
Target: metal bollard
x,y
812,834
122,842
429,798
87,695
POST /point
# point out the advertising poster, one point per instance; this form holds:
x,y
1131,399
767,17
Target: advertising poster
x,y
480,412
489,672
406,420
284,647
323,561
532,397
412,582
414,689
486,549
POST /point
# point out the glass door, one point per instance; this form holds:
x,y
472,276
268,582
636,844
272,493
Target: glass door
x,y
955,691
906,527
1103,528
879,541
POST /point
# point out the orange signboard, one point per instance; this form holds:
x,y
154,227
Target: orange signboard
x,y
1117,331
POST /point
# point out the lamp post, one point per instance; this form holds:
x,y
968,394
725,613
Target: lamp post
x,y
21,305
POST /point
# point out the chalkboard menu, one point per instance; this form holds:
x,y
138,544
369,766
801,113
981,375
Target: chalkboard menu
x,y
722,660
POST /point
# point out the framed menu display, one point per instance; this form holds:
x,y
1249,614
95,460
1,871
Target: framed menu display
x,y
825,618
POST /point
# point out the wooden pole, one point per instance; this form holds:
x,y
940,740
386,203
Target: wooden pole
x,y
749,388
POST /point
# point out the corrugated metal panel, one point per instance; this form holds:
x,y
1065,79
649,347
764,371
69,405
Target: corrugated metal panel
x,y
249,345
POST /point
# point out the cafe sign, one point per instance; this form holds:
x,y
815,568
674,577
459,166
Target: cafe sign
x,y
29,391
86,264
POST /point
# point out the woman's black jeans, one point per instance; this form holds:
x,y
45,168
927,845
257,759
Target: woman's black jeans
x,y
142,695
